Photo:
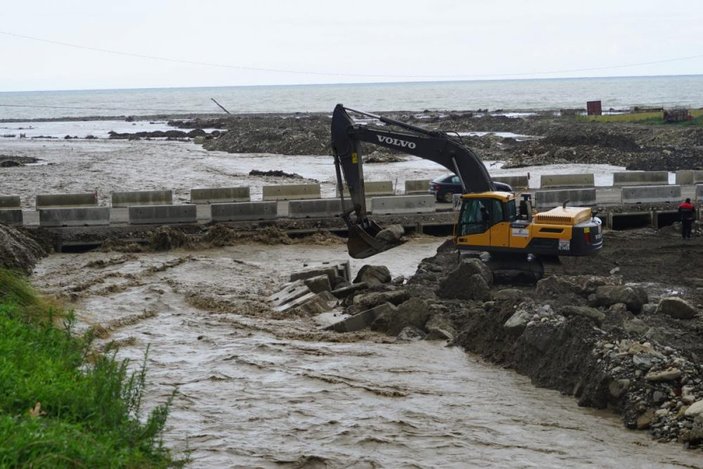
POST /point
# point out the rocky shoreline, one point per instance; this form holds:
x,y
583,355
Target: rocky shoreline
x,y
523,140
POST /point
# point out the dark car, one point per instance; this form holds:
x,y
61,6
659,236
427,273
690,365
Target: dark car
x,y
444,187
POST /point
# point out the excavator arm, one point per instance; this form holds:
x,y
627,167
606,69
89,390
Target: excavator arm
x,y
444,149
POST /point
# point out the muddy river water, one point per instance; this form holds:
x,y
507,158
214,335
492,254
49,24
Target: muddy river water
x,y
257,389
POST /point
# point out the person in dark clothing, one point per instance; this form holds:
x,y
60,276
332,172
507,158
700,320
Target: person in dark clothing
x,y
687,213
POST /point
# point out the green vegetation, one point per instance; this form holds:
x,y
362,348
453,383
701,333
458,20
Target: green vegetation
x,y
61,405
652,118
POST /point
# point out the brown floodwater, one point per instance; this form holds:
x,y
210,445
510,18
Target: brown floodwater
x,y
260,389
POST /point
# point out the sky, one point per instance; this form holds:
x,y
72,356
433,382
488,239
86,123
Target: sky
x,y
99,44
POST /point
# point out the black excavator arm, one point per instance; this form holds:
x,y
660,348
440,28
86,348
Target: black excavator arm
x,y
347,136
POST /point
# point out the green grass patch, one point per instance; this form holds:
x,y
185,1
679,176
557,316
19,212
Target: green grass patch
x,y
652,118
61,405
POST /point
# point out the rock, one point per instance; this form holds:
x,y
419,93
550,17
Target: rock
x,y
676,308
373,275
391,234
440,327
687,395
593,314
582,285
645,420
636,326
410,334
364,301
317,304
470,280
362,320
670,374
318,284
649,308
413,312
617,387
518,321
508,294
632,296
694,409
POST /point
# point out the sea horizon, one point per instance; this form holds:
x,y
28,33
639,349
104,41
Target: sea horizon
x,y
518,94
370,83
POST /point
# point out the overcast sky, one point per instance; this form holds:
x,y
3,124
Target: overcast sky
x,y
92,44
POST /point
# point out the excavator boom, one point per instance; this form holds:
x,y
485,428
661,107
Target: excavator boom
x,y
347,136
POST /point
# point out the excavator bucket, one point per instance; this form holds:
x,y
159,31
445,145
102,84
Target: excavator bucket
x,y
363,240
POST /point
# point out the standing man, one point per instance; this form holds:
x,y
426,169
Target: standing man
x,y
687,213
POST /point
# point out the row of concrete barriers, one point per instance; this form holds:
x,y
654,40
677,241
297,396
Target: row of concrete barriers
x,y
219,212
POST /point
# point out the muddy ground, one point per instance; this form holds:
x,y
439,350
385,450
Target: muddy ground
x,y
563,140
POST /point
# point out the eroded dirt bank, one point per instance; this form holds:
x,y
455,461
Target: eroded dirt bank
x,y
621,330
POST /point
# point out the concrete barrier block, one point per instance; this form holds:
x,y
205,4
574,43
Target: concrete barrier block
x,y
291,192
89,199
162,214
244,211
417,186
548,181
320,208
687,177
77,216
650,194
684,177
640,178
403,204
518,183
10,201
9,216
127,199
699,193
220,195
546,199
372,188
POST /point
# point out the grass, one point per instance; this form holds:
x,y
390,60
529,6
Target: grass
x,y
652,118
62,406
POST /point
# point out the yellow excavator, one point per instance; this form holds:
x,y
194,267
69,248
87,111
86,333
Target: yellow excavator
x,y
490,218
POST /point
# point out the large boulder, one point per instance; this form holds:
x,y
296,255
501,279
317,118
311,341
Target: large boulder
x,y
18,251
634,297
414,312
676,308
470,280
373,275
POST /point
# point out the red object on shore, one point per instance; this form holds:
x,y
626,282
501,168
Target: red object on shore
x,y
594,108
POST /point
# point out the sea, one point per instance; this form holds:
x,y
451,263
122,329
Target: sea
x,y
616,94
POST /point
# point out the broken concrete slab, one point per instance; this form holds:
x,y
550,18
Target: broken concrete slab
x,y
318,284
349,290
362,320
289,292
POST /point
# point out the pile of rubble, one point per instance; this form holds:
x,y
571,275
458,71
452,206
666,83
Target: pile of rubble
x,y
594,337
